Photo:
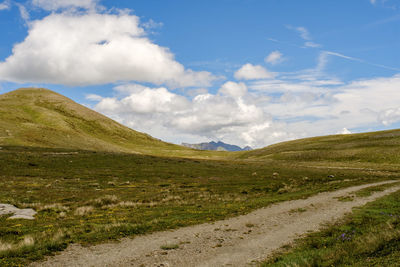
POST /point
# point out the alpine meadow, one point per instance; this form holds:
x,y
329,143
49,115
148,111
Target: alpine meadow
x,y
212,133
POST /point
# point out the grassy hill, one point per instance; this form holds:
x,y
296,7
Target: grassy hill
x,y
43,118
365,148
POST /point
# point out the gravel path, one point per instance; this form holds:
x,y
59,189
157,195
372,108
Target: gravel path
x,y
238,241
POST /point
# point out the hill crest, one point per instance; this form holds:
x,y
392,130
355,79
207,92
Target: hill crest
x,y
43,118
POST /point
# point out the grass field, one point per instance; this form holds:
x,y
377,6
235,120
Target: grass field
x,y
368,237
90,197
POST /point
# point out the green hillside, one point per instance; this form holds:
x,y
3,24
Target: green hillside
x,y
43,118
375,147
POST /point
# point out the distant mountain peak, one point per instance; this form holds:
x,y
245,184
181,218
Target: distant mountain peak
x,y
216,146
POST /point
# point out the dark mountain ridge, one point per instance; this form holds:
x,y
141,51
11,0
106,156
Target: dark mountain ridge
x,y
217,146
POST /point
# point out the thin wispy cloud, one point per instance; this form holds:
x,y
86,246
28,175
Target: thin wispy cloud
x,y
5,5
54,5
322,60
23,12
284,43
360,60
274,57
390,4
305,35
384,21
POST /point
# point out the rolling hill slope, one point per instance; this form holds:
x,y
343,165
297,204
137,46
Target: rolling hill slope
x,y
381,147
43,118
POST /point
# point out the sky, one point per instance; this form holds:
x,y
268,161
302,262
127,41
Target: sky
x,y
245,72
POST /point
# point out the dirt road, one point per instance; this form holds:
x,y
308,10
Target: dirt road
x,y
238,241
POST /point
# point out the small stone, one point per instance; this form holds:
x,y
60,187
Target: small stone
x,y
16,212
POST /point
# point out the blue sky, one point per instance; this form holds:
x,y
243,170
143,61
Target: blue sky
x,y
248,72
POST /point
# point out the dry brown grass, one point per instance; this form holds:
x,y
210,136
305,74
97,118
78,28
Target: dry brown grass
x,y
28,241
105,201
84,210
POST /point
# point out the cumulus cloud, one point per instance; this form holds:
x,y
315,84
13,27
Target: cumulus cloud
x,y
196,92
52,5
92,48
256,113
253,72
274,57
318,109
157,100
233,89
230,115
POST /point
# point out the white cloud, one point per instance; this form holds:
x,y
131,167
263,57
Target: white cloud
x,y
305,35
389,116
253,72
155,100
274,57
94,97
89,49
319,110
344,131
196,92
358,60
311,44
52,5
23,12
229,115
257,113
151,24
142,100
373,2
5,5
233,89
